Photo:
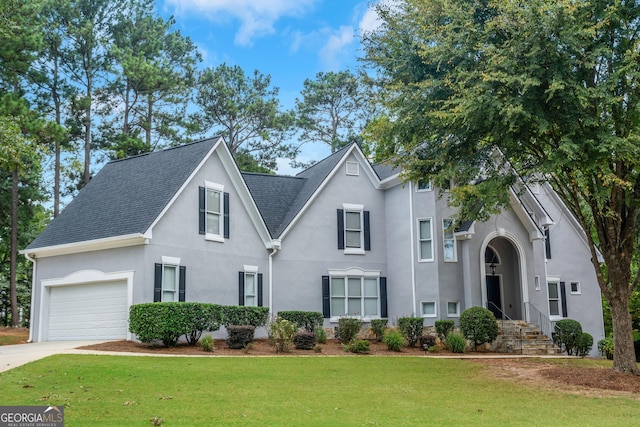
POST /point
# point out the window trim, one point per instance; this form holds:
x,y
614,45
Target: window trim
x,y
220,189
159,279
352,168
353,273
427,187
562,299
353,208
578,290
420,240
536,281
435,309
444,240
457,313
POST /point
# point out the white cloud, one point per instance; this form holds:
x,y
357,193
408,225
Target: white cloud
x,y
257,17
337,44
370,20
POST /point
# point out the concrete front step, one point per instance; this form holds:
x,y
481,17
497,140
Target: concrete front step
x,y
523,338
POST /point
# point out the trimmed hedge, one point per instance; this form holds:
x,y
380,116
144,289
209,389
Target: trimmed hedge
x,y
427,341
304,340
238,336
307,320
411,328
478,325
567,335
244,315
201,317
443,328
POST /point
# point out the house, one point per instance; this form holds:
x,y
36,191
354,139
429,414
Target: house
x,y
342,237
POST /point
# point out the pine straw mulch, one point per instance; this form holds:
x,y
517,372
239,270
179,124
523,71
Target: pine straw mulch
x,y
547,374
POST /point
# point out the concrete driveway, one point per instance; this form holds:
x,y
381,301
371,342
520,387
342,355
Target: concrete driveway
x,y
12,356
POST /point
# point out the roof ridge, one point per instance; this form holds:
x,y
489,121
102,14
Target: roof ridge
x,y
326,158
164,149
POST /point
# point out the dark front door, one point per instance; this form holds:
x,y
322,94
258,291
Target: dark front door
x,y
494,302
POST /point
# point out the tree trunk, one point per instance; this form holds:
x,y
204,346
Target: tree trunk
x,y
624,355
14,247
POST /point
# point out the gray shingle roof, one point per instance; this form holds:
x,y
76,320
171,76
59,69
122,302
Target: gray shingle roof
x,y
125,197
385,170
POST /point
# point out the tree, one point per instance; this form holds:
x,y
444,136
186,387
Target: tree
x,y
493,91
246,111
331,109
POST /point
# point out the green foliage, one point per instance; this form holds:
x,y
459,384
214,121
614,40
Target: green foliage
x,y
585,344
307,320
478,325
348,329
394,340
358,346
281,332
321,335
605,347
434,349
443,327
239,336
200,317
304,340
378,327
456,342
427,341
158,321
244,315
567,335
411,328
207,343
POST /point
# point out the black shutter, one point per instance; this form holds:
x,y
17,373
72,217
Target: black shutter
x,y
547,244
383,297
241,287
326,303
259,289
202,213
340,229
367,233
226,215
563,296
157,283
181,283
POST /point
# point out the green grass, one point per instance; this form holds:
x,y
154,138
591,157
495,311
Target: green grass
x,y
291,391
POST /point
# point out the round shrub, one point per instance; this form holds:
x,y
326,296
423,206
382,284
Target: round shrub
x,y
281,332
393,339
239,336
584,347
567,335
348,329
411,328
304,340
443,327
377,327
207,343
427,341
456,342
478,325
357,346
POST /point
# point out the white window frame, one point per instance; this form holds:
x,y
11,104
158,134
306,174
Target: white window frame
x,y
445,239
219,188
170,263
435,309
352,168
578,290
555,281
359,209
427,186
457,312
536,280
420,240
354,273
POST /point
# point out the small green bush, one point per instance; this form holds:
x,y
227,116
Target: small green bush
x,y
244,315
393,339
567,335
427,341
207,343
239,336
304,340
411,328
378,327
434,349
585,344
321,335
348,329
478,325
456,342
358,346
281,332
443,327
605,347
307,320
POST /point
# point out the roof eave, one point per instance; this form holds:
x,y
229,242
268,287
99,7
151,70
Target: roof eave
x,y
114,242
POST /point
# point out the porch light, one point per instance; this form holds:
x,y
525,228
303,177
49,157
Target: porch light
x,y
492,267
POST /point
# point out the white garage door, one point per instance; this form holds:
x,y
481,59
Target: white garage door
x,y
89,311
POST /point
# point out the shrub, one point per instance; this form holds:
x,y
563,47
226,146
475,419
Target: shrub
x,y
585,344
567,335
393,339
321,335
158,321
357,346
605,347
307,320
411,328
434,349
304,340
443,327
200,317
348,329
281,332
244,315
377,327
456,342
427,341
478,325
239,336
207,343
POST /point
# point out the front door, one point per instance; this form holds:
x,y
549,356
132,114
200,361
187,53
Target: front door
x,y
494,302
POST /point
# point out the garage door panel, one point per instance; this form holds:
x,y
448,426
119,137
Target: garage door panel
x,y
88,311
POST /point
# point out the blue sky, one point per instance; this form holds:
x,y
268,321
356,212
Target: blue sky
x,y
291,40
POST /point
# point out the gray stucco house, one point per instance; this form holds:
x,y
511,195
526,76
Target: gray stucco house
x,y
342,237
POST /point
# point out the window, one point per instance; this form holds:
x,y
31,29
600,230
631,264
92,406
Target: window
x,y
214,212
557,298
424,185
169,280
429,309
448,240
352,168
354,292
575,288
547,244
250,287
536,280
425,240
453,308
353,229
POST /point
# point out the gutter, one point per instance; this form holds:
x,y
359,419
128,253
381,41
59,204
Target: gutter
x,y
33,287
276,245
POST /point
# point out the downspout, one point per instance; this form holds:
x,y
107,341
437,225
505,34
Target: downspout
x,y
413,264
33,287
275,247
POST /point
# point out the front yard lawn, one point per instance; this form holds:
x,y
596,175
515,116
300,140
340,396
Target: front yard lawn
x,y
294,391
